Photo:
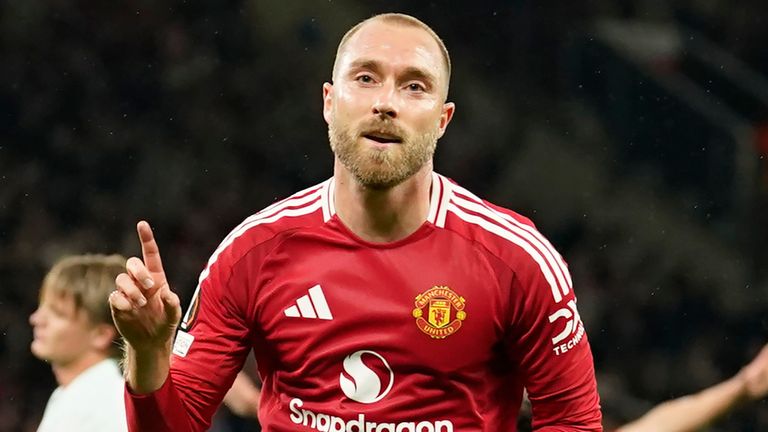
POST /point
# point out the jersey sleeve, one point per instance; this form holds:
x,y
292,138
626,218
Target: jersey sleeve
x,y
547,338
210,348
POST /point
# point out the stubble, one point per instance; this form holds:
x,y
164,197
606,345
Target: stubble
x,y
381,168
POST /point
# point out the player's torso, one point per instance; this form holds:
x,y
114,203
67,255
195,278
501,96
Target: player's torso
x,y
405,336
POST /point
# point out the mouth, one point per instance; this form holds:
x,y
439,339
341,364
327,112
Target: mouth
x,y
383,138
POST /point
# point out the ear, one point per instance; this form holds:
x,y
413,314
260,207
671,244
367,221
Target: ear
x,y
102,336
327,101
445,117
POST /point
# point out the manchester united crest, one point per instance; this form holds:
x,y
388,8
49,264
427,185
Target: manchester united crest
x,y
439,312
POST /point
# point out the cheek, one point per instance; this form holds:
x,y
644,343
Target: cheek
x,y
344,96
348,103
427,120
423,112
65,334
433,106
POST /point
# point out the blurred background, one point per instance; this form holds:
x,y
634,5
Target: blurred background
x,y
634,133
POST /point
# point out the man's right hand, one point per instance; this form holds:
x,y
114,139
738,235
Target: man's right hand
x,y
146,313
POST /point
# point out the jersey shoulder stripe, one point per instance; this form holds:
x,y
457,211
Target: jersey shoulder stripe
x,y
444,187
527,225
302,209
296,200
298,204
522,227
516,230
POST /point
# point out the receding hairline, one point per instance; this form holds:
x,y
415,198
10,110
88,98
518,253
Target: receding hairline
x,y
396,19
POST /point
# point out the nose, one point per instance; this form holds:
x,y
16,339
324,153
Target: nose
x,y
384,105
384,110
35,318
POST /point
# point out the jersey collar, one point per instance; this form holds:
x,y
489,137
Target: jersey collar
x,y
438,199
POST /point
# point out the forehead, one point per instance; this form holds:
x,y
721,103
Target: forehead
x,y
394,44
61,300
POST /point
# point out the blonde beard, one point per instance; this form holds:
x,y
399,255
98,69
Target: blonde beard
x,y
386,168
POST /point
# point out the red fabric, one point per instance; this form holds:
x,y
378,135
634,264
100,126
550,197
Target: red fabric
x,y
155,412
374,362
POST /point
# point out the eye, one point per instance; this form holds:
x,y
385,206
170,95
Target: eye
x,y
416,87
365,79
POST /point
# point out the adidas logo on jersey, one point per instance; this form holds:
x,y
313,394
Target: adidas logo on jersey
x,y
312,305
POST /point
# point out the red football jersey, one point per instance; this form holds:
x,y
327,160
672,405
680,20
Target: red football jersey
x,y
437,332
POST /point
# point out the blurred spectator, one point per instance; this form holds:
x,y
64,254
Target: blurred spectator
x,y
73,331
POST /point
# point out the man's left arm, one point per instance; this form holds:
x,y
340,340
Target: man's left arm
x,y
548,339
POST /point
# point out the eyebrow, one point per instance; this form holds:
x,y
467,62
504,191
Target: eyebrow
x,y
410,72
365,64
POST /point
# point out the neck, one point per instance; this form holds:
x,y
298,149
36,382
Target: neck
x,y
65,373
382,215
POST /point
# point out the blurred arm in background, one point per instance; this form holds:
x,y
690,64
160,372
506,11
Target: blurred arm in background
x,y
693,412
243,397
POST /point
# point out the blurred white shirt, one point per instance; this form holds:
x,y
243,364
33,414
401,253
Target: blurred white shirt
x,y
92,402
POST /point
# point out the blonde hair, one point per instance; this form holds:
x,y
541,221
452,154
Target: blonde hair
x,y
87,280
400,19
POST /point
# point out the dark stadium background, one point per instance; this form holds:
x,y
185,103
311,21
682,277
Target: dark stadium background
x,y
633,133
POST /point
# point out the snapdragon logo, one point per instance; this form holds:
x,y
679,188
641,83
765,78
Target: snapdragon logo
x,y
330,423
361,382
367,378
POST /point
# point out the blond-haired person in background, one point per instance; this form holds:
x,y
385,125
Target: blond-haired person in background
x,y
73,331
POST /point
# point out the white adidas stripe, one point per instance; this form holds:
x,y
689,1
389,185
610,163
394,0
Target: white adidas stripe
x,y
530,229
312,305
318,299
328,193
292,201
306,192
305,307
508,235
256,221
437,187
292,312
552,249
280,211
264,215
526,235
447,187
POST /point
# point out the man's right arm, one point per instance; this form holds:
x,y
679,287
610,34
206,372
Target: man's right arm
x,y
177,388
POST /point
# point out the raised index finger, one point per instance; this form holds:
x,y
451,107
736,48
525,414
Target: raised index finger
x,y
149,249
